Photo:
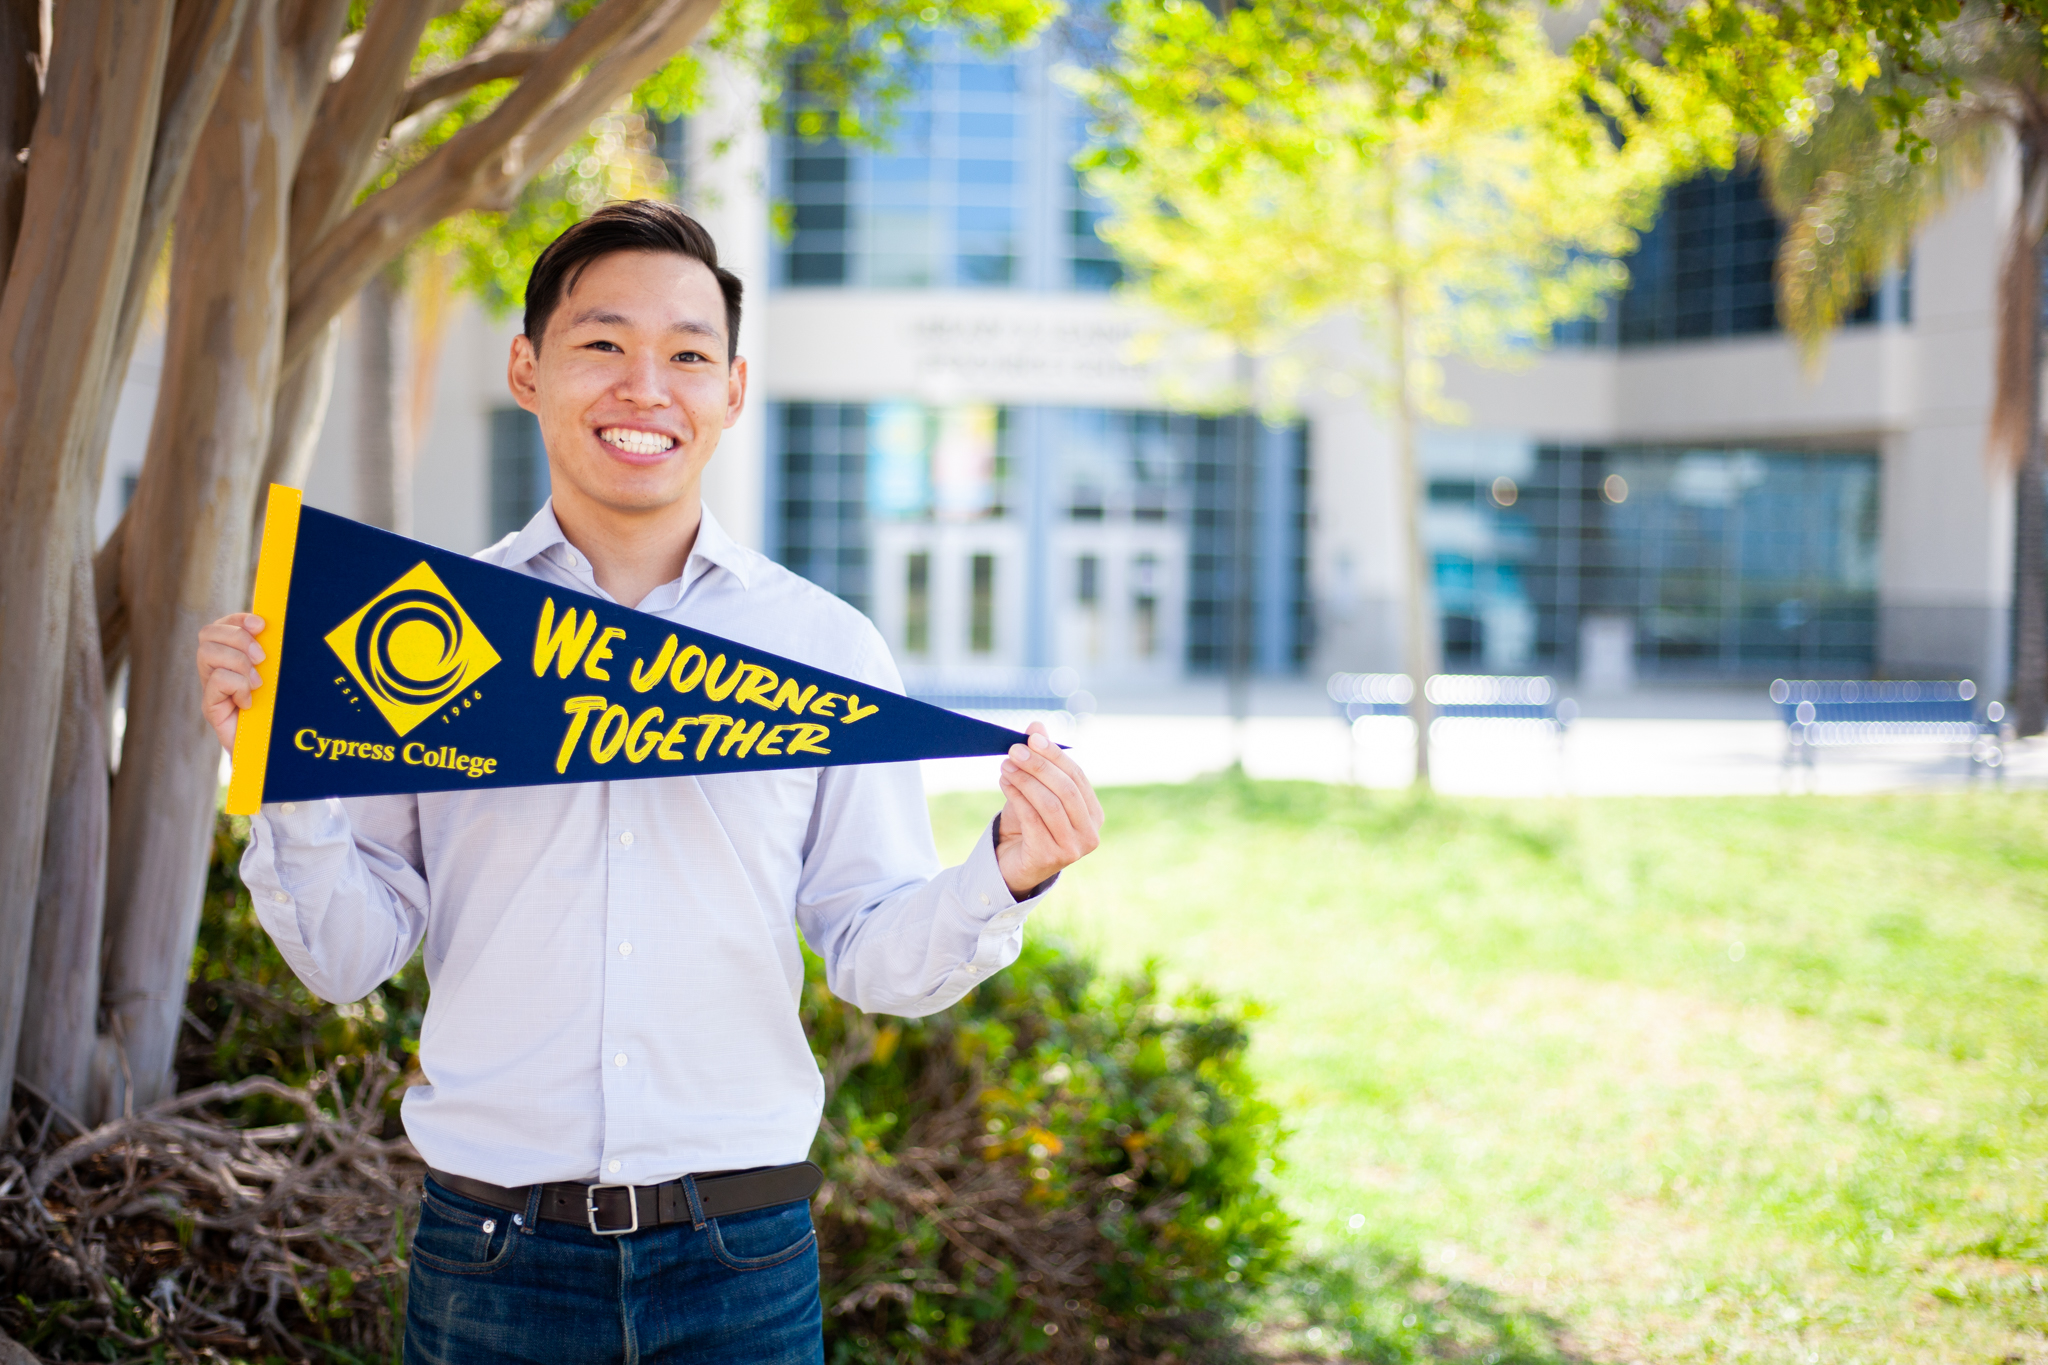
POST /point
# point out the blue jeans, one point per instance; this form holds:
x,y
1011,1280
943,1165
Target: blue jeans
x,y
740,1290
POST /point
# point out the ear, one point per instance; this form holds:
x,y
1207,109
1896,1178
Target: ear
x,y
735,389
521,375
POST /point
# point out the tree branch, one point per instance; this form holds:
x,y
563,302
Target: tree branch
x,y
111,605
567,119
486,164
352,116
203,38
467,74
517,27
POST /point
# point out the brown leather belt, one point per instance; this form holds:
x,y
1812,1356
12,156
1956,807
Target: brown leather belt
x,y
612,1210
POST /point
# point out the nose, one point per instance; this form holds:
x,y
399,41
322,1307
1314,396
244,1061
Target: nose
x,y
640,384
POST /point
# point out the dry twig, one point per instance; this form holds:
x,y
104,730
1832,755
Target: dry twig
x,y
174,1227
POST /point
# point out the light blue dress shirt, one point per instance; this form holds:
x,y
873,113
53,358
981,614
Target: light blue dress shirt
x,y
615,966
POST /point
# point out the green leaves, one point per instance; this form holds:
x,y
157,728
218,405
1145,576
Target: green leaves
x,y
1061,1160
1463,214
1856,184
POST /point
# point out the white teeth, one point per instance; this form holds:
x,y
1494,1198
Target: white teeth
x,y
636,442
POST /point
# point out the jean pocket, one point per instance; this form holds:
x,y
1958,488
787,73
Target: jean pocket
x,y
763,1238
461,1239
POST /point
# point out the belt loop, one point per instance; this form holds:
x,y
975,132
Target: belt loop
x,y
530,1220
696,1204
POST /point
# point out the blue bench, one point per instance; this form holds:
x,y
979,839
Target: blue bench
x,y
1455,696
1829,713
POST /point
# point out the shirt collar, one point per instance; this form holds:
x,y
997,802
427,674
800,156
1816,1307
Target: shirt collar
x,y
714,546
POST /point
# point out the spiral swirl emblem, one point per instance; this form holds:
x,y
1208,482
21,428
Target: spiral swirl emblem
x,y
412,649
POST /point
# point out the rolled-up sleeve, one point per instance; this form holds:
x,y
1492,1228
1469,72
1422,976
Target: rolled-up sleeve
x,y
338,885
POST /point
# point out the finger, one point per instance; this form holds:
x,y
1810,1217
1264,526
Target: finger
x,y
213,656
233,636
1031,828
1052,814
1068,764
218,682
1039,764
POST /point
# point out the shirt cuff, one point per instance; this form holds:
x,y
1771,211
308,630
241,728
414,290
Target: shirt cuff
x,y
1006,897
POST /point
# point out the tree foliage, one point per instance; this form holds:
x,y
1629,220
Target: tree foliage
x,y
1499,207
1855,186
1853,198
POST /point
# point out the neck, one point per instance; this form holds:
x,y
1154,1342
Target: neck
x,y
631,551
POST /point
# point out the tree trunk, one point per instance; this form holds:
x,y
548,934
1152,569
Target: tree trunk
x,y
2016,432
2030,594
1238,663
1421,650
301,410
383,414
87,176
21,58
59,1024
186,561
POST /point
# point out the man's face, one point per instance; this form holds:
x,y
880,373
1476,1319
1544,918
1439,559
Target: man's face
x,y
631,382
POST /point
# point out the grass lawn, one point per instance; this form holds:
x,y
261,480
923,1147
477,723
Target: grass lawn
x,y
1659,1080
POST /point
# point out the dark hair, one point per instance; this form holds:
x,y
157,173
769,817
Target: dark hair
x,y
625,225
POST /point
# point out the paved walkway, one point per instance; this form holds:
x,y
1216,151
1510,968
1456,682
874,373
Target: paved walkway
x,y
1729,744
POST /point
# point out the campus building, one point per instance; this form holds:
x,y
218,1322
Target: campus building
x,y
958,425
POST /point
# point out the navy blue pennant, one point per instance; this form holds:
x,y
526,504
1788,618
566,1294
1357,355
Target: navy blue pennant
x,y
393,666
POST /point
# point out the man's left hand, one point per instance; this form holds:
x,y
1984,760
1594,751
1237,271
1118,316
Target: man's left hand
x,y
1050,819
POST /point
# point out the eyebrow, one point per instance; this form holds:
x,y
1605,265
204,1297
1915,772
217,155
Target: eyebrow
x,y
611,319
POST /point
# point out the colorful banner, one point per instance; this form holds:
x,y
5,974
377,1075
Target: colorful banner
x,y
391,666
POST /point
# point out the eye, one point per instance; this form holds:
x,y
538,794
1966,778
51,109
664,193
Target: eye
x,y
688,356
603,346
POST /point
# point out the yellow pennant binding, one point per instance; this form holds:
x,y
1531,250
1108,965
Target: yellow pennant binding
x,y
273,585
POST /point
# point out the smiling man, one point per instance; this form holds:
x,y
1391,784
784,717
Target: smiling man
x,y
619,1095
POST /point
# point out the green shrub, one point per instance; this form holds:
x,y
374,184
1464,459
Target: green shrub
x,y
1064,1164
247,1015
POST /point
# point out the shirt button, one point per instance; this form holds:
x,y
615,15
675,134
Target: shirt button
x,y
627,838
289,806
613,1167
984,898
619,1060
280,897
625,950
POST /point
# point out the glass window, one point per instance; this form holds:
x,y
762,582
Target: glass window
x,y
937,206
1719,561
981,609
917,603
1090,263
845,468
1706,269
1145,606
823,488
948,200
519,470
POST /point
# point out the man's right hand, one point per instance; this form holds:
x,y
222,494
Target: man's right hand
x,y
228,655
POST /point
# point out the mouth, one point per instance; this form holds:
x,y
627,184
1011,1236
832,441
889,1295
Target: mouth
x,y
633,441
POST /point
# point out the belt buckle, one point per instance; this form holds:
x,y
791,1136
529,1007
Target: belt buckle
x,y
590,1210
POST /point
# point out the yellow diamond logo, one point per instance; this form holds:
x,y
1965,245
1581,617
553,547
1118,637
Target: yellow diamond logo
x,y
412,649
